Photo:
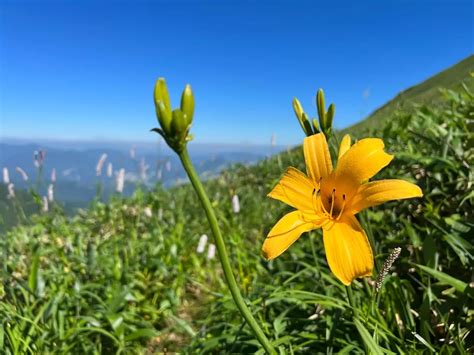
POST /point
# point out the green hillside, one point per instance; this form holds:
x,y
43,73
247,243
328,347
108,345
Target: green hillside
x,y
426,92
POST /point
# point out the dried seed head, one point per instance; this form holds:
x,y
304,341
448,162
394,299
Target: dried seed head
x,y
386,268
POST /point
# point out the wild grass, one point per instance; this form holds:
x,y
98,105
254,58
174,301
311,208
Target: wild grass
x,y
114,280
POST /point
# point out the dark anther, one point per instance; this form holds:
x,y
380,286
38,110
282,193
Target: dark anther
x,y
344,197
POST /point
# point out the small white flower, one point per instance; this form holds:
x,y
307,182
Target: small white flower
x,y
53,175
110,170
6,176
142,167
45,204
235,204
211,251
51,193
148,212
100,164
120,182
11,191
22,172
202,244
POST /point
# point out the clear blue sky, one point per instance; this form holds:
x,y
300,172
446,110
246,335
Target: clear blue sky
x,y
86,70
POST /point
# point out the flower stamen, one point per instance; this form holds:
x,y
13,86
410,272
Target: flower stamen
x,y
342,208
333,197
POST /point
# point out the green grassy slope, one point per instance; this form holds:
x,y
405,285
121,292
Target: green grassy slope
x,y
426,92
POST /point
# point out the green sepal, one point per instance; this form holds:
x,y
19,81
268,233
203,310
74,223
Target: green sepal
x,y
187,103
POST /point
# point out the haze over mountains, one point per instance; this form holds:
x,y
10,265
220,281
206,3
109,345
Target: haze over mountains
x,y
145,164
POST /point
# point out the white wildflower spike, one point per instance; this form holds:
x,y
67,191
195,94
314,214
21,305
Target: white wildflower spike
x,y
110,170
120,182
45,204
51,193
235,204
211,251
143,169
100,164
148,212
6,176
53,175
22,172
386,268
202,244
38,157
11,191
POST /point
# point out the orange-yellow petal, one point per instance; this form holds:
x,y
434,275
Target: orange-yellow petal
x,y
345,145
362,161
348,251
377,192
317,157
295,189
287,230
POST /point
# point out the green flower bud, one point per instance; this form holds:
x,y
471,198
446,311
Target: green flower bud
x,y
330,115
187,103
298,108
161,94
164,117
321,108
315,125
179,124
306,124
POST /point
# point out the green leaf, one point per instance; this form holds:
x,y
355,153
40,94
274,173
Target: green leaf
x,y
367,338
444,278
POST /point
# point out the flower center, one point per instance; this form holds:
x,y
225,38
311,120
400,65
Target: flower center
x,y
330,200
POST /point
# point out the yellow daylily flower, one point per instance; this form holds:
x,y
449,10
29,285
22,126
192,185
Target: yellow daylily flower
x,y
330,198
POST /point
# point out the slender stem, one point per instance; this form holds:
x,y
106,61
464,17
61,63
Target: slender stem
x,y
350,297
224,258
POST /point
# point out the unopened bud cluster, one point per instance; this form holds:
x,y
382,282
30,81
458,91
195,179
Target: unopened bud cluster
x,y
312,126
175,124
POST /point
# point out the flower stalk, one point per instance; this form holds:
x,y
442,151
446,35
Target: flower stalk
x,y
222,252
174,128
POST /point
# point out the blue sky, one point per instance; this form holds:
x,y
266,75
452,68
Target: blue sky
x,y
86,70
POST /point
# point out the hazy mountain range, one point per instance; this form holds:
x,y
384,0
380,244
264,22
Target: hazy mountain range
x,y
145,164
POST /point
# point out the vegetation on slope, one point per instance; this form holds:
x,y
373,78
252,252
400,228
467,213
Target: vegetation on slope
x,y
426,92
115,279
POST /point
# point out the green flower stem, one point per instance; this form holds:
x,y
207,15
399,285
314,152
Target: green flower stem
x,y
224,258
350,298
